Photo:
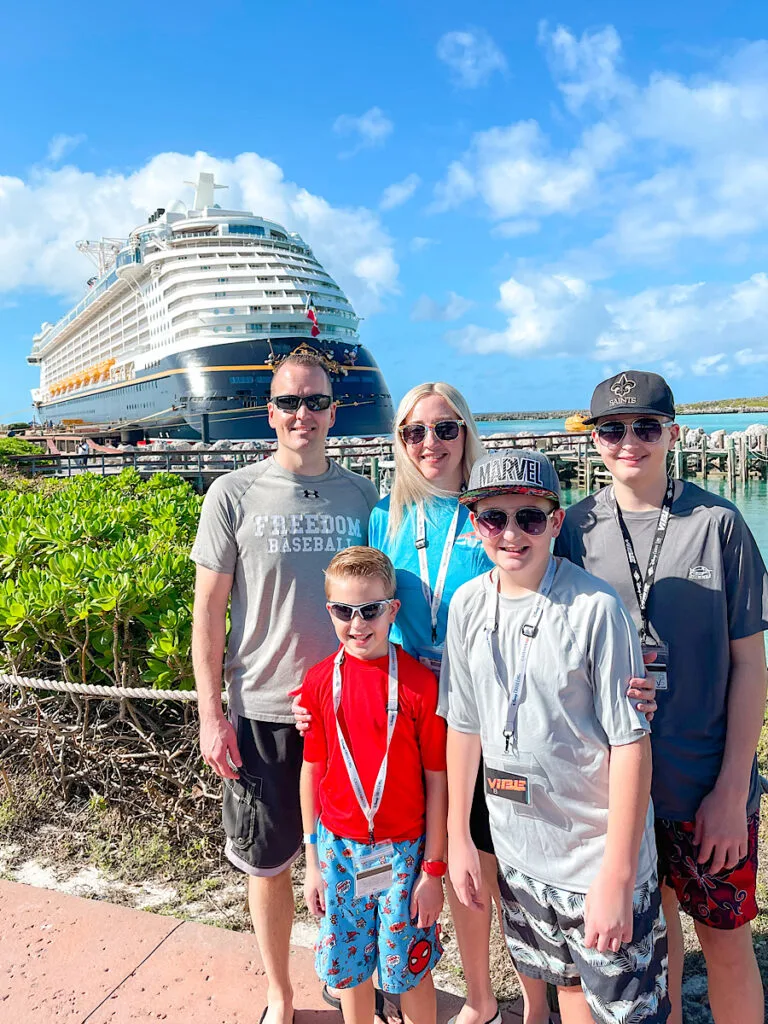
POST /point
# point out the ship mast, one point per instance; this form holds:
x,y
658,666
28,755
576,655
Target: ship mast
x,y
102,253
204,190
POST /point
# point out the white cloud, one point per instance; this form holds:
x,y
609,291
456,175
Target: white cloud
x,y
685,328
516,228
41,218
471,55
514,171
426,308
420,242
399,193
371,129
60,145
586,68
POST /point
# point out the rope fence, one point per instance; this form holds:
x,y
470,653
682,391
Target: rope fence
x,y
107,692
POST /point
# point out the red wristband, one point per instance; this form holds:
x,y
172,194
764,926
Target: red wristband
x,y
435,868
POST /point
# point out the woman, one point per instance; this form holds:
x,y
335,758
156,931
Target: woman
x,y
429,539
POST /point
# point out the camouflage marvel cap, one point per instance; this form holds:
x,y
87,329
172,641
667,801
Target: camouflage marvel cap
x,y
516,472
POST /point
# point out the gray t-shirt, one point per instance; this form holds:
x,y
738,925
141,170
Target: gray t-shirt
x,y
276,532
711,588
573,709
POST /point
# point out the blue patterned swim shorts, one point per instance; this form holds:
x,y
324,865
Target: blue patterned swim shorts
x,y
357,935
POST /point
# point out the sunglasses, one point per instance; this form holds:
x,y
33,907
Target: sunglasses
x,y
647,430
367,612
492,522
292,403
444,430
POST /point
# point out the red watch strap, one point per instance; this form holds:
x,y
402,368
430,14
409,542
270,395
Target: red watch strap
x,y
435,868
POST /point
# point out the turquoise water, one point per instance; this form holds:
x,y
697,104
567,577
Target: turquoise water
x,y
714,421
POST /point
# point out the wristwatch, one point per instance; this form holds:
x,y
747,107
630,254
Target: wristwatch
x,y
435,868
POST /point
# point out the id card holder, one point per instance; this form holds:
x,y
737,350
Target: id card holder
x,y
431,658
657,669
374,870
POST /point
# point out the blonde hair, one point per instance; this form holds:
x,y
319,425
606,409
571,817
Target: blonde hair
x,y
410,486
361,563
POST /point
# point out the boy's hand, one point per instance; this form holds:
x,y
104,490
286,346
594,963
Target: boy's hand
x,y
301,716
608,914
464,871
643,690
721,831
427,900
314,891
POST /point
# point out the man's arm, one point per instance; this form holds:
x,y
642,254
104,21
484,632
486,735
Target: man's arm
x,y
314,890
463,757
721,821
608,908
209,633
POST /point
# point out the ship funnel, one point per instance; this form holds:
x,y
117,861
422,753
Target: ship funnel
x,y
204,189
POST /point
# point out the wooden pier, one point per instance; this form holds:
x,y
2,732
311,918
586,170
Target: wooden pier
x,y
736,460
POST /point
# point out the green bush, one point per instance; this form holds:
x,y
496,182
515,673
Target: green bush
x,y
17,446
96,583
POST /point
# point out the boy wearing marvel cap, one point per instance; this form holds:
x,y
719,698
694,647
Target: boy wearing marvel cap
x,y
374,773
538,658
688,568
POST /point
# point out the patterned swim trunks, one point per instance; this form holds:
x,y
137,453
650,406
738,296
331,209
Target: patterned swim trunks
x,y
359,935
726,900
544,929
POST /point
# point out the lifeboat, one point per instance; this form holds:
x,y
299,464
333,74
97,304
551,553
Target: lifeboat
x,y
575,424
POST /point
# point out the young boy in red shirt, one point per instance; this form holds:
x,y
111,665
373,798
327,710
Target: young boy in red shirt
x,y
373,800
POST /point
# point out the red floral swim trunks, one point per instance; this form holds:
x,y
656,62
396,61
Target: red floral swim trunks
x,y
726,900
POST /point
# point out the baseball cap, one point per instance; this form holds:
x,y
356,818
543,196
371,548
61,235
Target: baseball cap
x,y
510,471
633,391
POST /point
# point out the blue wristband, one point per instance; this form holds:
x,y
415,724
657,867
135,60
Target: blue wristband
x,y
310,838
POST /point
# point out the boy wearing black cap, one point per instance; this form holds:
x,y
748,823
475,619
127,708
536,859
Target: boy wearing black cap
x,y
537,660
687,567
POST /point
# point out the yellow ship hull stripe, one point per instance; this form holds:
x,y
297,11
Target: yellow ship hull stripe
x,y
90,392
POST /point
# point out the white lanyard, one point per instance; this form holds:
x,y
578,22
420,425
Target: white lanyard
x,y
369,810
527,633
434,597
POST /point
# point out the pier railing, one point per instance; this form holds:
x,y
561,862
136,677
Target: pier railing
x,y
577,461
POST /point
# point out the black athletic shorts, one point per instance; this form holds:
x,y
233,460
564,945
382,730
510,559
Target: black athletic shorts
x,y
479,823
261,813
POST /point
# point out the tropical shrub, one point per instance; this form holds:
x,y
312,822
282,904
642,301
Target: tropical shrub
x,y
16,446
96,583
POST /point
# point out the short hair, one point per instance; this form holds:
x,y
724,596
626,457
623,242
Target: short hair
x,y
359,562
311,360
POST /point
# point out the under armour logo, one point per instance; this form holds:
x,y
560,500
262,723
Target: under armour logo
x,y
622,387
311,494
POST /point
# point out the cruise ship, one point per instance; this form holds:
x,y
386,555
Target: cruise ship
x,y
185,323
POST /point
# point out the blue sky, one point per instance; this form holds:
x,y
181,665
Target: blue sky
x,y
519,202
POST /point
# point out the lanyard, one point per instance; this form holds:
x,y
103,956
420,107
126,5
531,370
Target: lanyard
x,y
434,597
644,585
527,633
369,810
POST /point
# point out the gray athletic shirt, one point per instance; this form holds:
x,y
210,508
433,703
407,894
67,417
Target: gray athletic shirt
x,y
573,708
276,532
711,588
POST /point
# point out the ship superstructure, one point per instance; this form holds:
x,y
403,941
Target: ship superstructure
x,y
185,322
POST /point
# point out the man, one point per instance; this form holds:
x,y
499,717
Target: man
x,y
266,534
687,567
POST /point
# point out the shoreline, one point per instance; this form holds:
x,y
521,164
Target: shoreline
x,y
560,414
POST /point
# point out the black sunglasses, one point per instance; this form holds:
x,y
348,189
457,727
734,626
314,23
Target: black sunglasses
x,y
645,429
292,403
444,430
368,612
492,522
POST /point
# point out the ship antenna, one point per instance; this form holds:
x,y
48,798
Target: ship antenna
x,y
204,190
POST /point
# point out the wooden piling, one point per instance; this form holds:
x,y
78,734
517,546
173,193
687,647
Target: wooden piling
x,y
730,463
704,456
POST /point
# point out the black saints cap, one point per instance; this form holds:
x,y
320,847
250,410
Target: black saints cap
x,y
632,391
